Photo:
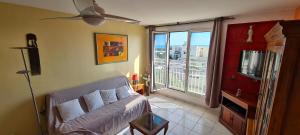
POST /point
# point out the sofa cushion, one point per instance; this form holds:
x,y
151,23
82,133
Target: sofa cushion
x,y
108,96
93,100
123,92
70,110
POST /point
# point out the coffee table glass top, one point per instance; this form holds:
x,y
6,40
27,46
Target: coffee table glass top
x,y
150,122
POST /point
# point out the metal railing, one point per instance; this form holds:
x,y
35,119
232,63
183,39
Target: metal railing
x,y
196,78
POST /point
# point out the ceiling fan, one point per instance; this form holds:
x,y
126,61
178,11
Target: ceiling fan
x,y
91,13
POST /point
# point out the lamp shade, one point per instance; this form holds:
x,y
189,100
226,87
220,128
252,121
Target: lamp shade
x,y
134,77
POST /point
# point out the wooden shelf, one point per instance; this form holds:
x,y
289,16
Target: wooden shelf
x,y
247,101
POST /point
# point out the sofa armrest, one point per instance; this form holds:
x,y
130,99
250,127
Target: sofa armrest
x,y
50,114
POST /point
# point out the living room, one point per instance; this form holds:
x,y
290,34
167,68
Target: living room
x,y
184,67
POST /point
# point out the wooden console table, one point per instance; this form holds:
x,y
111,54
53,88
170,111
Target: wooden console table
x,y
238,113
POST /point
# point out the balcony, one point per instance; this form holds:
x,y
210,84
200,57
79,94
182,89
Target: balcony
x,y
177,75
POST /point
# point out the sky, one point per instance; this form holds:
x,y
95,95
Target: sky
x,y
179,38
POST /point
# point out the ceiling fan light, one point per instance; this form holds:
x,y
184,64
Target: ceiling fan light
x,y
94,20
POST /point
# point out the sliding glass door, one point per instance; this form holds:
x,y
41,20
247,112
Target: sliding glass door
x,y
160,59
180,60
177,60
199,47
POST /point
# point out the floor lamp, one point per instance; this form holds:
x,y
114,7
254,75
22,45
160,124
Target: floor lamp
x,y
26,74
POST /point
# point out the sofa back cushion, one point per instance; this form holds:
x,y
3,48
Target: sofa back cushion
x,y
93,100
70,110
109,96
77,92
123,92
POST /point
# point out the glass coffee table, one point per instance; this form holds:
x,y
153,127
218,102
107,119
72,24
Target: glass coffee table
x,y
149,124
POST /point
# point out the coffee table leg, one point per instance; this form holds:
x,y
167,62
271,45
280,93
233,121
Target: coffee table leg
x,y
166,129
131,130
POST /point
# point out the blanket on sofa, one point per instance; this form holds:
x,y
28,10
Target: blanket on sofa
x,y
112,118
107,120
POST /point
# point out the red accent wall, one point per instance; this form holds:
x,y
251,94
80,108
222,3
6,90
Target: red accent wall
x,y
235,43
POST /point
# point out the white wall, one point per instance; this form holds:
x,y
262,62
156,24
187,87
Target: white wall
x,y
205,26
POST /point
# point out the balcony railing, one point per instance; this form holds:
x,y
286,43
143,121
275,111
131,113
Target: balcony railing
x,y
177,78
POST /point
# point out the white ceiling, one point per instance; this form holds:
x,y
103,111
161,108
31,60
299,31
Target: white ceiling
x,y
168,11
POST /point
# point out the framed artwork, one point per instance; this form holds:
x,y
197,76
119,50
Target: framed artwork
x,y
111,48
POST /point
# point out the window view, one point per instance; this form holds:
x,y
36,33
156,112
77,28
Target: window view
x,y
160,53
198,62
174,76
177,60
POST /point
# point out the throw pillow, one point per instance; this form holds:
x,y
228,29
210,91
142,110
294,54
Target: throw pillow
x,y
93,100
108,96
122,92
70,110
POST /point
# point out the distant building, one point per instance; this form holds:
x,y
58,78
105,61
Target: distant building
x,y
177,52
199,51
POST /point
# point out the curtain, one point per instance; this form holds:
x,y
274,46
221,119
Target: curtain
x,y
150,53
214,66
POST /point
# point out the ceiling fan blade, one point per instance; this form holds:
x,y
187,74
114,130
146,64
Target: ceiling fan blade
x,y
78,17
98,9
81,5
88,11
114,17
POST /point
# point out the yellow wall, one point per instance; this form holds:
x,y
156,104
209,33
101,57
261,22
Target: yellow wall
x,y
67,60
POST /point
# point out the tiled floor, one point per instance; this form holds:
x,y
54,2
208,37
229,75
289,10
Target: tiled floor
x,y
185,119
